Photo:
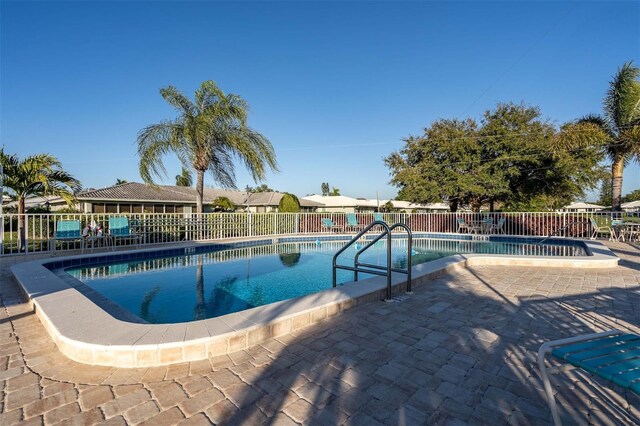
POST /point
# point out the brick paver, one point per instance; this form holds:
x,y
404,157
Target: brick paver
x,y
460,350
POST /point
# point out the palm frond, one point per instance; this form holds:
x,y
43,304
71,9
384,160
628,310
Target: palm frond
x,y
176,99
153,143
209,94
622,102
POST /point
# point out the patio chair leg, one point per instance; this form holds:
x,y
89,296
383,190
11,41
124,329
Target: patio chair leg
x,y
551,400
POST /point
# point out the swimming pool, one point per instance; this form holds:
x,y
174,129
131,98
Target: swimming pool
x,y
189,287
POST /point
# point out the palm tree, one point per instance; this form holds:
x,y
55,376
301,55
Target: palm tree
x,y
184,178
209,133
121,181
39,175
620,125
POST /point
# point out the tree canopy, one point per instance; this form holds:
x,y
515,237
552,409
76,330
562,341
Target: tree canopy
x,y
184,178
260,188
513,157
632,196
223,204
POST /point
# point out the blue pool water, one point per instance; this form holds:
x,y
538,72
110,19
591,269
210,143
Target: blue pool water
x,y
199,286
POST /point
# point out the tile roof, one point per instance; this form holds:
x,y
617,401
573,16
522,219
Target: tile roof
x,y
134,191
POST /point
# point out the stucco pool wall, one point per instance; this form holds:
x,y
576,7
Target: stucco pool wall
x,y
92,330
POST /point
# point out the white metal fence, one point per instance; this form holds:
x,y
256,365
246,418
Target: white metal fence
x,y
159,228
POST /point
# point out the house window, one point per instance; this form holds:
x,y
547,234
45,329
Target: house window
x,y
148,208
170,209
125,208
111,208
137,208
158,208
179,209
97,208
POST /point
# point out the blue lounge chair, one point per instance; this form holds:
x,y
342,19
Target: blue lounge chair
x,y
612,355
67,230
352,222
329,225
119,230
378,217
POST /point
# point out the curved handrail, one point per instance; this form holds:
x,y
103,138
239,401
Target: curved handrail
x,y
378,238
356,264
354,240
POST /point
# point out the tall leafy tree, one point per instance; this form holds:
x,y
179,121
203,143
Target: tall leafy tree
x,y
620,125
632,196
513,158
184,178
260,188
35,175
605,198
325,188
208,134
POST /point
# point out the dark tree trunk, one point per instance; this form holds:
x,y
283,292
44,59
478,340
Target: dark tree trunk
x,y
453,206
200,191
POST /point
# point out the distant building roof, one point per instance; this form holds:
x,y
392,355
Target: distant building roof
x,y
343,201
140,192
336,201
631,204
583,205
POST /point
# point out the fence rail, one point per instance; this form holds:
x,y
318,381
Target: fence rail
x,y
159,228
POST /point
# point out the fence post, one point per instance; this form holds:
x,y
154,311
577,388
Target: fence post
x,y
249,223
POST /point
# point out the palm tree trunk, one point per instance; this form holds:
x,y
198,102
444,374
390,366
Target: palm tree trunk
x,y
200,191
21,220
616,182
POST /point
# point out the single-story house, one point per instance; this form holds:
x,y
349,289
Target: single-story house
x,y
134,197
582,207
631,206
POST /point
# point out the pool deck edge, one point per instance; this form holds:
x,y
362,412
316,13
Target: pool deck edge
x,y
86,333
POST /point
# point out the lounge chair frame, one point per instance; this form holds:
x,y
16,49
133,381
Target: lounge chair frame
x,y
588,342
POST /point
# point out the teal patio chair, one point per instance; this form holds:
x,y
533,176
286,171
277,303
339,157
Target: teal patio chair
x,y
352,222
67,231
119,230
611,355
328,225
377,217
498,227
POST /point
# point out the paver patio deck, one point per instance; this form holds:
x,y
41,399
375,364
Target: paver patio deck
x,y
459,350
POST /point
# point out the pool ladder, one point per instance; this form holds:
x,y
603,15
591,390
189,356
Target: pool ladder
x,y
371,268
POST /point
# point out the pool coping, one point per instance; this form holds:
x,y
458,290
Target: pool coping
x,y
86,333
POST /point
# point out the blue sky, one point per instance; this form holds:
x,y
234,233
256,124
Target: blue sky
x,y
334,86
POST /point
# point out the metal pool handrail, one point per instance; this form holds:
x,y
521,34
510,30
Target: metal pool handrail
x,y
376,269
